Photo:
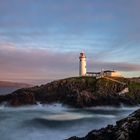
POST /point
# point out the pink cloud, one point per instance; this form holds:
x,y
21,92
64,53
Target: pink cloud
x,y
23,63
35,63
121,66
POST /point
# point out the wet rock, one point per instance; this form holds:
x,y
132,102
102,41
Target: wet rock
x,y
125,129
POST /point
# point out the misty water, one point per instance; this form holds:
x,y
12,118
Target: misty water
x,y
55,122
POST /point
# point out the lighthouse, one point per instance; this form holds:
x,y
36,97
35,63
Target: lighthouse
x,y
82,64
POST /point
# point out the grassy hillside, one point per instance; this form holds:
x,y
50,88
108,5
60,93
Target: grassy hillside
x,y
134,91
78,92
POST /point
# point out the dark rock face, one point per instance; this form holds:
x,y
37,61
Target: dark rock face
x,y
125,129
77,92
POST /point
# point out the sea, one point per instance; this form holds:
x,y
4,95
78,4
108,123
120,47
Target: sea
x,y
7,90
55,121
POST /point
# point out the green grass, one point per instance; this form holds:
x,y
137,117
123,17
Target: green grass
x,y
134,86
134,91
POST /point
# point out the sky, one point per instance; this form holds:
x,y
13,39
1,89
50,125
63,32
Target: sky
x,y
42,39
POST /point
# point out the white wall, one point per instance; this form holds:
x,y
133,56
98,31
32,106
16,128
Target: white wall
x,y
82,66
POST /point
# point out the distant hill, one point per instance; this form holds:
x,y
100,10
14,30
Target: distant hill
x,y
4,84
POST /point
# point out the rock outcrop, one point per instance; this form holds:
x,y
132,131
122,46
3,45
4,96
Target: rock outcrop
x,y
77,92
125,129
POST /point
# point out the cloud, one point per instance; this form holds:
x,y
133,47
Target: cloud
x,y
107,18
107,30
121,66
35,63
22,63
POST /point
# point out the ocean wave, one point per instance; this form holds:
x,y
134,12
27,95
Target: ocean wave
x,y
51,107
74,116
122,107
66,117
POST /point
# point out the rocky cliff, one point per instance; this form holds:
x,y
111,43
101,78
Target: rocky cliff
x,y
125,129
77,92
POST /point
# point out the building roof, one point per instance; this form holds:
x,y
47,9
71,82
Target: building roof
x,y
109,71
100,72
93,72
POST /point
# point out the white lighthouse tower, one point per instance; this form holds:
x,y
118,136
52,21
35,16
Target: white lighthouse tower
x,y
82,64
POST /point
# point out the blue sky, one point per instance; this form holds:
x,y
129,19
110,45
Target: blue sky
x,y
41,39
